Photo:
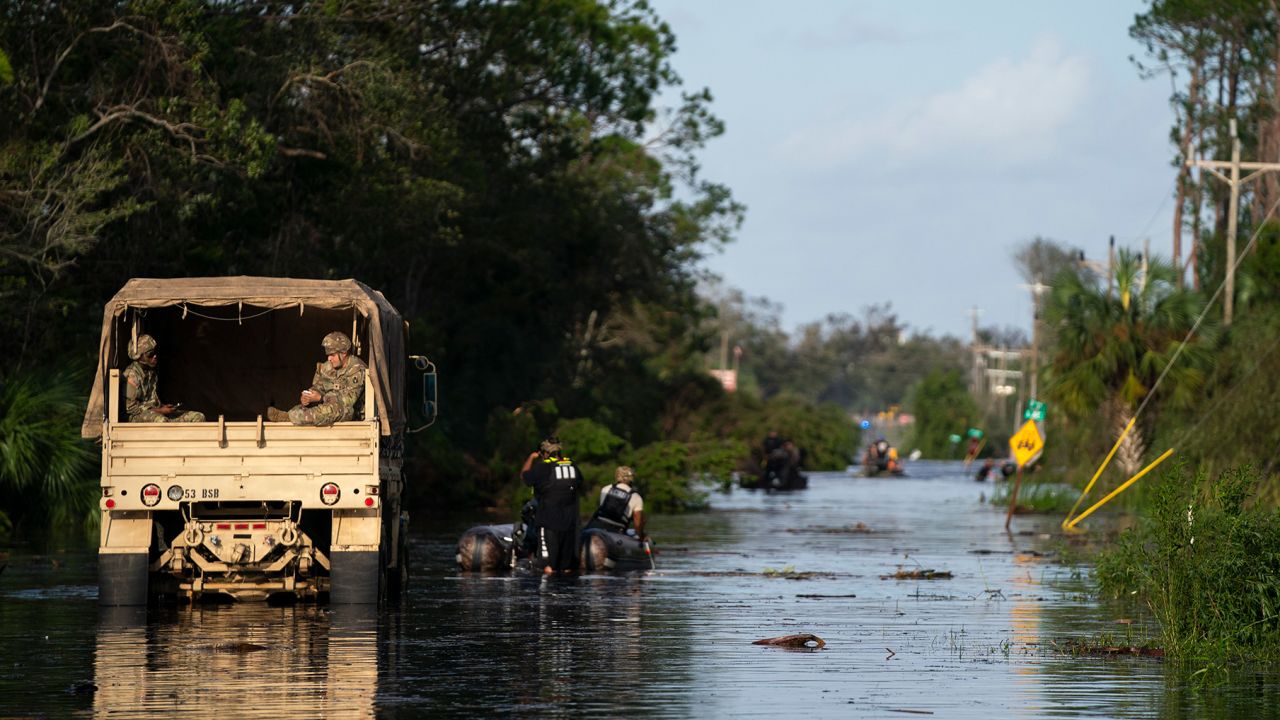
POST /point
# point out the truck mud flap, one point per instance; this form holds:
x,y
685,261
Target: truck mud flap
x,y
122,579
353,578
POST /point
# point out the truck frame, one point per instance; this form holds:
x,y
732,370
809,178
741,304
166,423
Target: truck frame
x,y
236,506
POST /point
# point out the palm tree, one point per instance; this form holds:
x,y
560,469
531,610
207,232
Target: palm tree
x,y
1113,337
46,469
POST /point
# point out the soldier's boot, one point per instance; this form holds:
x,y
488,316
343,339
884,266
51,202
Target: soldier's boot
x,y
275,414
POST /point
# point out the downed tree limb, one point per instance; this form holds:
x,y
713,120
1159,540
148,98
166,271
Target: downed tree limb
x,y
794,641
918,575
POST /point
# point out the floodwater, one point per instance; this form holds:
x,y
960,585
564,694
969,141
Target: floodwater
x,y
675,642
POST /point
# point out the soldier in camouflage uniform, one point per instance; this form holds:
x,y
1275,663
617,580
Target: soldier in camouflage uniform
x,y
337,391
140,400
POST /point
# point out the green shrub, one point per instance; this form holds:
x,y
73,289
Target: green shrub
x,y
665,475
1206,563
587,441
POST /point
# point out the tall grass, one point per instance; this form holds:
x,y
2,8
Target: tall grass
x,y
1207,563
47,480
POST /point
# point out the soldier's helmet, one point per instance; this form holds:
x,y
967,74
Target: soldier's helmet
x,y
624,474
551,445
143,345
336,342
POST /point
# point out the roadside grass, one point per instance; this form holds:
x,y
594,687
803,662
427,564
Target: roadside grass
x,y
1037,497
1206,561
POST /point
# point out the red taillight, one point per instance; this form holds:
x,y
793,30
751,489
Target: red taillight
x,y
242,526
368,502
150,494
329,494
224,526
110,503
259,526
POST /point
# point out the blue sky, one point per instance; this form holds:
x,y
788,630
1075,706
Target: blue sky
x,y
900,151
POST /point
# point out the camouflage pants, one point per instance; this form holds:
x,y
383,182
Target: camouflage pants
x,y
321,414
155,417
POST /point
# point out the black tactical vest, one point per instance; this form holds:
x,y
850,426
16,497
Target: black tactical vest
x,y
613,508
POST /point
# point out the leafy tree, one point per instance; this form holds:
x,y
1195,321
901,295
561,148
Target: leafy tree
x,y
942,406
1109,348
1040,259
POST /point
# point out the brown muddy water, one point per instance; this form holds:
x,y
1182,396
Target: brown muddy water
x,y
676,642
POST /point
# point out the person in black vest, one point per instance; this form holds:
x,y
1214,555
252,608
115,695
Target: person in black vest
x,y
620,505
557,483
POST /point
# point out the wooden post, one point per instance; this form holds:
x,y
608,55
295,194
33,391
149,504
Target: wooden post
x,y
1013,499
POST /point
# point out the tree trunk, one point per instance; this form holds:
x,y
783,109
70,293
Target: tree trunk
x,y
1184,173
1128,457
1269,143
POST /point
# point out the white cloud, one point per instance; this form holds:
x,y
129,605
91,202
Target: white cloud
x,y
849,30
1010,111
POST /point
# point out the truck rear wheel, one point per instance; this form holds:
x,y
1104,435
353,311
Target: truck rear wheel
x,y
122,579
398,577
354,578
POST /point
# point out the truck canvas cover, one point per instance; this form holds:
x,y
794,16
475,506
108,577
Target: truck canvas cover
x,y
232,346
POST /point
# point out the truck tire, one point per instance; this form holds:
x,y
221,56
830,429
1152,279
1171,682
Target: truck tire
x,y
398,578
122,579
354,578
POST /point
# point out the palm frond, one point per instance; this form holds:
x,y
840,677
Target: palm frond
x,y
46,469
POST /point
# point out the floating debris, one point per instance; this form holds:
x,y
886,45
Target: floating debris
x,y
922,574
854,529
797,642
818,597
786,573
233,647
791,573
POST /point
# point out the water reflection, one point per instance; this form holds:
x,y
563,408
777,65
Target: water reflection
x,y
260,661
550,647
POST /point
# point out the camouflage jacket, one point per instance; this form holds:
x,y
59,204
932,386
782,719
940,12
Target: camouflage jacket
x,y
139,389
343,387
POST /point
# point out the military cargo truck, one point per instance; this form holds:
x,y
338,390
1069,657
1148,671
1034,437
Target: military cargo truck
x,y
238,506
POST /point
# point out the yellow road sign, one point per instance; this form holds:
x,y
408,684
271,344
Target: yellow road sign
x,y
1027,443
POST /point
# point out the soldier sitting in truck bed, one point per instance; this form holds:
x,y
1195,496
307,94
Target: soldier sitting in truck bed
x,y
336,391
140,400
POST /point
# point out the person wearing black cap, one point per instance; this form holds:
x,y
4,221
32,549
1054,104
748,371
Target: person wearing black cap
x,y
557,483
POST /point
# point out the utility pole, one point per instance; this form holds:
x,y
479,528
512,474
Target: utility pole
x,y
976,350
1111,266
1037,289
1234,181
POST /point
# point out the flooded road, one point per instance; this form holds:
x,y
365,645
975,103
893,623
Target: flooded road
x,y
671,643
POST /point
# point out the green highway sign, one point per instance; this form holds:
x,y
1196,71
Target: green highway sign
x,y
1035,411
